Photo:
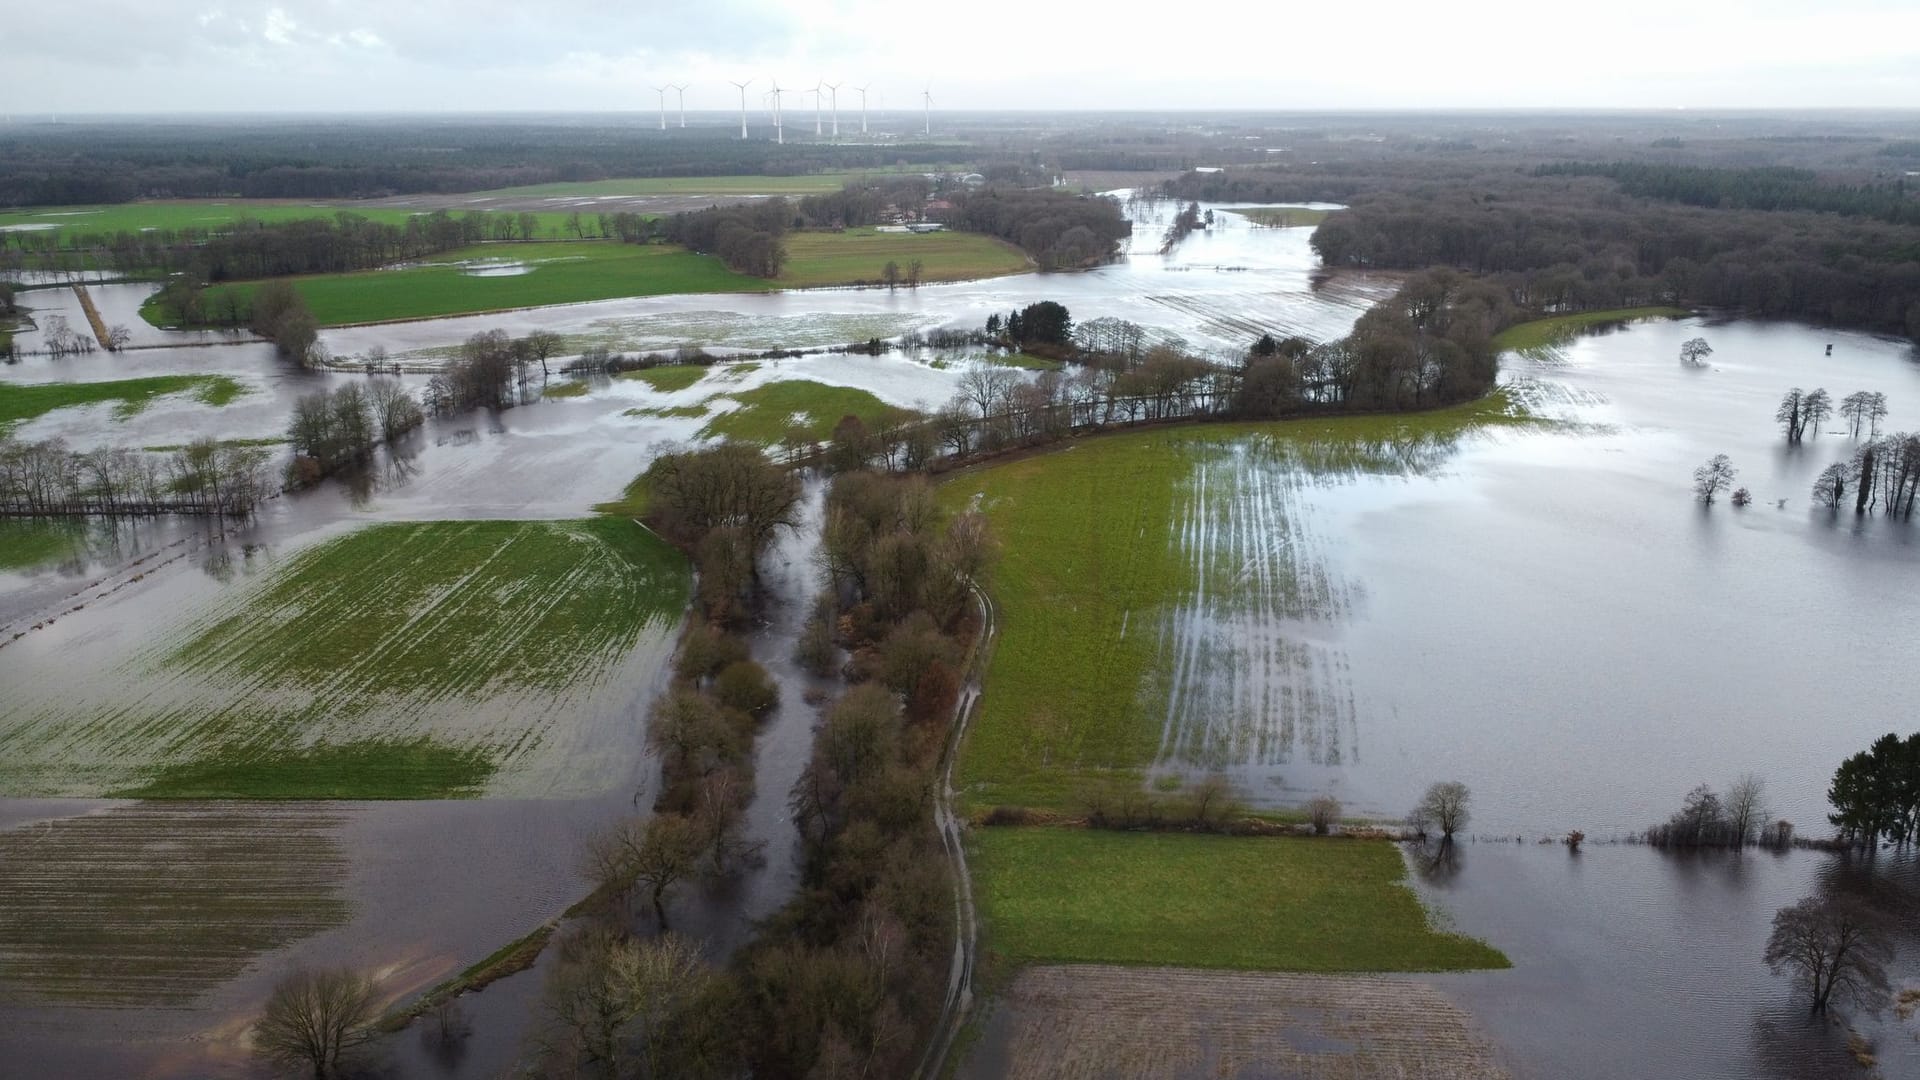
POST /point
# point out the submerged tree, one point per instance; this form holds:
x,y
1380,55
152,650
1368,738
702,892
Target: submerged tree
x,y
1695,351
1831,946
1443,807
1876,793
1713,478
316,1019
1830,489
1864,407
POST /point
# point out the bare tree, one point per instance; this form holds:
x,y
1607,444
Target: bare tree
x,y
890,274
1443,807
1212,801
1831,488
1854,408
666,853
618,1006
1324,812
1695,351
1831,946
316,1019
1816,409
1713,478
1791,415
1746,808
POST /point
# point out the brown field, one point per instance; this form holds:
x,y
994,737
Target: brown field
x,y
1119,1023
154,903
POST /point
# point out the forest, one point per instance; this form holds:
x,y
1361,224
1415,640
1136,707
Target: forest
x,y
1565,238
1060,230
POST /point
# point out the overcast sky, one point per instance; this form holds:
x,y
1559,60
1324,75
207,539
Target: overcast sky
x,y
79,56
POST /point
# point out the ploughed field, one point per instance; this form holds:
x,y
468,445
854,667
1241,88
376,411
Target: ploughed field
x,y
1065,1023
397,661
1163,599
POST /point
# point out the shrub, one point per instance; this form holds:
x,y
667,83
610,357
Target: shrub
x,y
1324,812
745,685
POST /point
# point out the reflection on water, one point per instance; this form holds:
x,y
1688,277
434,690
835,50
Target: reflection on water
x,y
1631,962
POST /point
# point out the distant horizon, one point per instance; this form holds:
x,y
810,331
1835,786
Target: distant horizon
x,y
25,118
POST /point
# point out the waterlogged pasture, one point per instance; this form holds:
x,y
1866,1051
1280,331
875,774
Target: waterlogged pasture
x,y
1167,598
129,397
397,661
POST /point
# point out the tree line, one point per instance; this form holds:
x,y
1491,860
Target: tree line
x,y
204,477
1768,187
112,162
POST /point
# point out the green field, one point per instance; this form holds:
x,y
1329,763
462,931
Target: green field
x,y
860,256
670,377
397,661
29,542
1281,217
173,216
1195,900
768,412
561,272
1142,574
1543,338
20,401
575,271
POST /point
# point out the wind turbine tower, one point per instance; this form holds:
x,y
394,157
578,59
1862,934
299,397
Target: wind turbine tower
x,y
662,91
926,103
779,133
818,100
681,89
743,105
863,109
833,91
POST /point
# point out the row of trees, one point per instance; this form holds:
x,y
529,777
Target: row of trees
x,y
1883,475
1708,820
203,477
490,371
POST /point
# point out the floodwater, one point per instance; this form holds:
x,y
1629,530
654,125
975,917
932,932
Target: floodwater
x,y
1545,615
1629,962
1548,615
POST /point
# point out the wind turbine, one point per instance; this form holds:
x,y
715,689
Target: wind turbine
x,y
662,91
863,109
681,89
833,91
816,108
926,99
743,105
779,133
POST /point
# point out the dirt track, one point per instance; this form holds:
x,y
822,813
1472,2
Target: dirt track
x,y
1119,1023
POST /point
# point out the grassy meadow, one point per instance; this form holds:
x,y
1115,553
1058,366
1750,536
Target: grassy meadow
x,y
1542,339
768,412
861,255
577,271
71,222
1195,900
400,660
24,401
1146,580
1281,217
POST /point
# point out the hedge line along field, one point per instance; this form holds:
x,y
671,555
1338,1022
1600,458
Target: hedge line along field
x,y
1095,1022
1151,593
1263,903
502,276
24,401
430,660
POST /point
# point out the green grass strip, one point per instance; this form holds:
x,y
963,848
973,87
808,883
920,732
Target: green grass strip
x,y
25,401
1051,895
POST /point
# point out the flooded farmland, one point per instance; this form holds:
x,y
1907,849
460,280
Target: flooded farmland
x,y
1543,613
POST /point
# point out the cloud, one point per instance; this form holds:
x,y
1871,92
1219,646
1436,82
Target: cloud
x,y
160,55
